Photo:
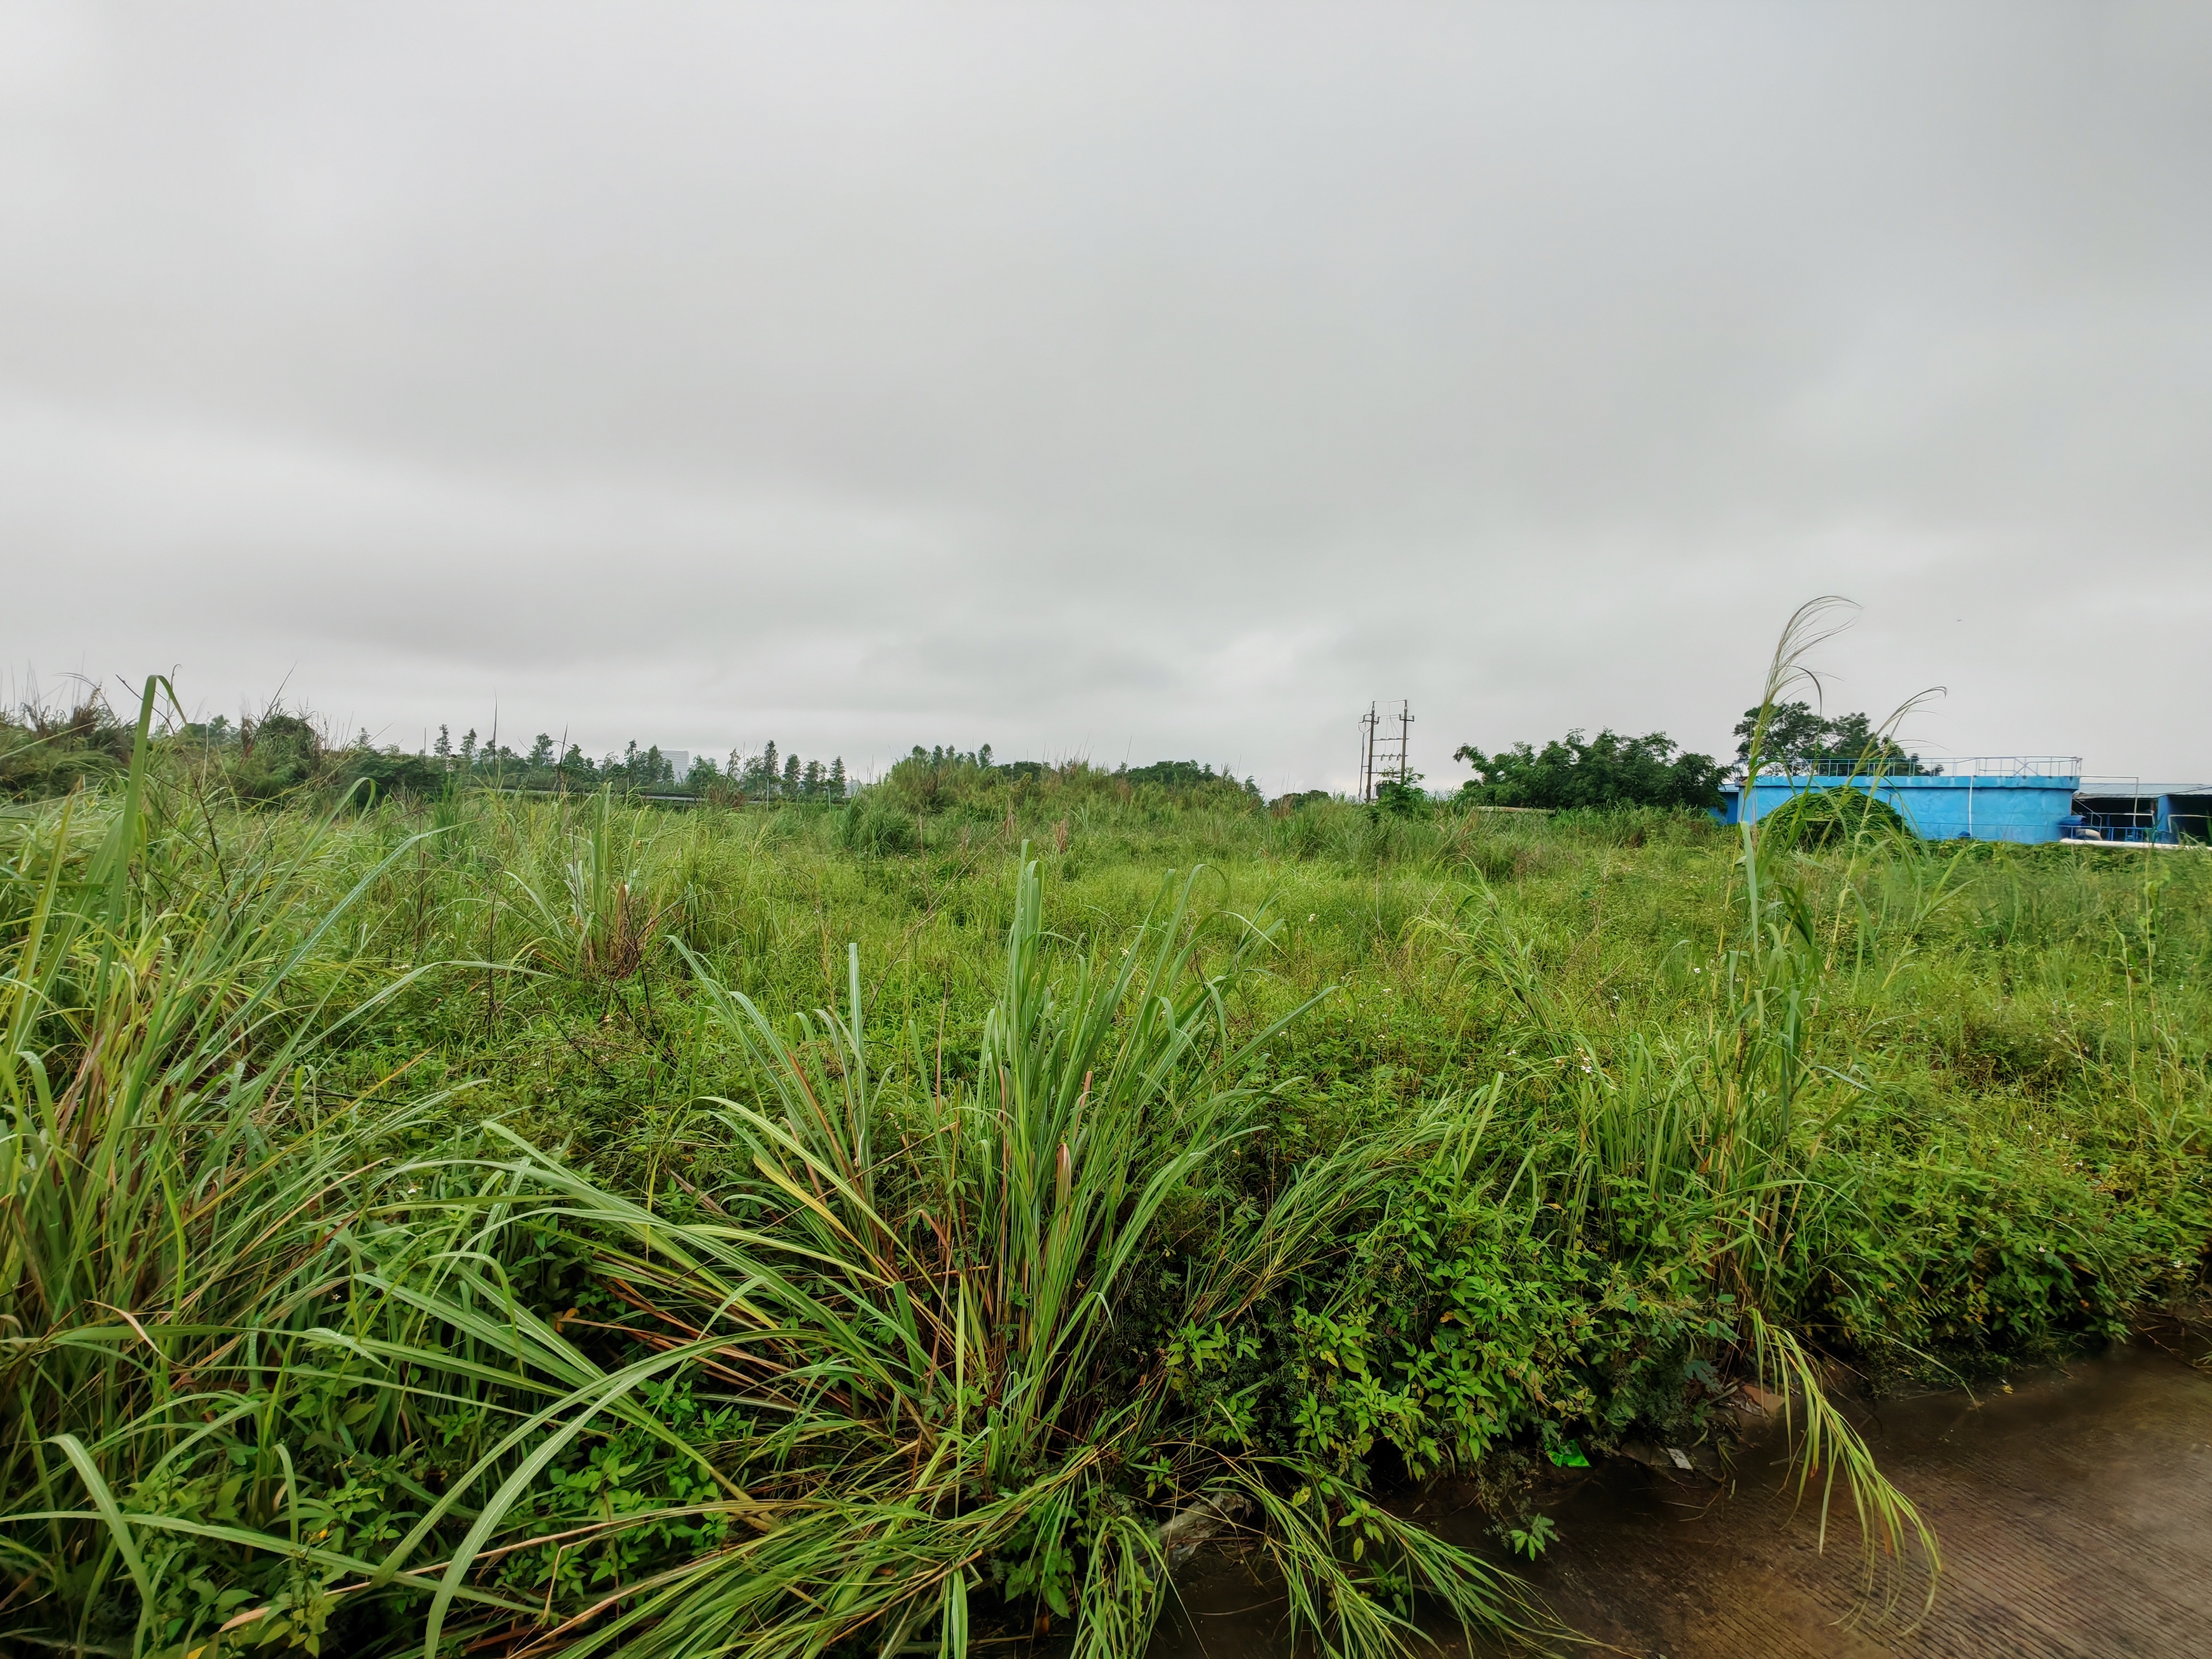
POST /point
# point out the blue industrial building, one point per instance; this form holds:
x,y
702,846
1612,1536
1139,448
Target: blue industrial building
x,y
2018,797
2026,798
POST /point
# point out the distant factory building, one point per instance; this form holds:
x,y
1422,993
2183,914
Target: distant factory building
x,y
2162,814
2017,798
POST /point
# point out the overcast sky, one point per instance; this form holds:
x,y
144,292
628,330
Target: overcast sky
x,y
1121,381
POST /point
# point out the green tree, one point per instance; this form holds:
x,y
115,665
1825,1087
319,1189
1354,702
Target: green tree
x,y
1800,740
1605,771
541,752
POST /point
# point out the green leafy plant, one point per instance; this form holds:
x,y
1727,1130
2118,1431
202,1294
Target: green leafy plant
x,y
1533,1539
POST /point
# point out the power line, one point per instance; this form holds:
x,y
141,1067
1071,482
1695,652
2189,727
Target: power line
x,y
1384,754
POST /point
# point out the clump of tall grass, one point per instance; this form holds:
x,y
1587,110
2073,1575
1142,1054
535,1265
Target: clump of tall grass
x,y
149,1219
603,919
47,751
242,1334
908,1308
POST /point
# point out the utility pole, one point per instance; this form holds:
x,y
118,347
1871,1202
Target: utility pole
x,y
1383,756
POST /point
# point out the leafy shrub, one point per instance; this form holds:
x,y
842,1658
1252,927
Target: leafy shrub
x,y
875,828
277,754
45,753
1400,800
1827,817
1458,1327
388,772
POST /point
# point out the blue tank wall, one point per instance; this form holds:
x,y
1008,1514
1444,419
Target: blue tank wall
x,y
2025,809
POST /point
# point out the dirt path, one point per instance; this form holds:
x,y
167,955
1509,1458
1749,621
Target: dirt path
x,y
2074,1514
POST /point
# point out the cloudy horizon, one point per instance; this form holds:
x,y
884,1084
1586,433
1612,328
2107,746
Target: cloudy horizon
x,y
1129,382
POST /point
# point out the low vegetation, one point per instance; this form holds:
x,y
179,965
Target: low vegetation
x,y
466,1221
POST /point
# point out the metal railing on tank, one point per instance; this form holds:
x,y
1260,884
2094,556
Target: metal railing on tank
x,y
1921,766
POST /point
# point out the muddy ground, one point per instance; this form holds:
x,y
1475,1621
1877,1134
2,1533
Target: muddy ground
x,y
2074,1514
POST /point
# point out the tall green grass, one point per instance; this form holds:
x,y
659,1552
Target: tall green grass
x,y
436,1225
907,1308
239,1323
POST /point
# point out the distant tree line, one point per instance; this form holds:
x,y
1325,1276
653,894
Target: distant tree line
x,y
944,776
763,777
44,752
947,782
635,770
279,753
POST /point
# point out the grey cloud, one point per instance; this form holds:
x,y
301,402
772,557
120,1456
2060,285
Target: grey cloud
x,y
1174,377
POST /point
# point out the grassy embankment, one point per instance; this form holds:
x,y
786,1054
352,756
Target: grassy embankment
x,y
441,1227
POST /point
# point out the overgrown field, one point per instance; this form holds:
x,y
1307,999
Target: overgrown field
x,y
494,1226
